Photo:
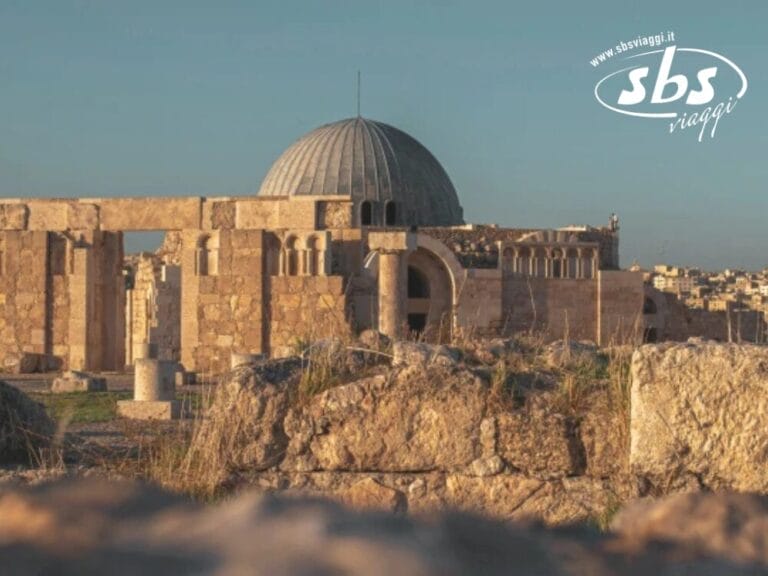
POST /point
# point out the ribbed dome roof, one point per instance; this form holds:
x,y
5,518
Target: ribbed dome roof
x,y
367,160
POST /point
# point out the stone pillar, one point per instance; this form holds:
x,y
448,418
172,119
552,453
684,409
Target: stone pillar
x,y
321,260
566,266
190,291
154,392
516,260
80,312
579,263
393,249
595,262
391,304
548,264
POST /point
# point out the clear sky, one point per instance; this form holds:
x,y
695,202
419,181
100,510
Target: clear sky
x,y
106,98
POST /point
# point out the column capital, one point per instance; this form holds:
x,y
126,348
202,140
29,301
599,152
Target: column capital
x,y
387,242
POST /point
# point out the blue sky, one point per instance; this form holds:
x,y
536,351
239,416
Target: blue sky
x,y
102,98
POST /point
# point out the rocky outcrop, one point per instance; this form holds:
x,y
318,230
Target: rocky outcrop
x,y
24,425
699,415
406,421
426,434
244,425
89,527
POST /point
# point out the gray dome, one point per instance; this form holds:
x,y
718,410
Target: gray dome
x,y
367,161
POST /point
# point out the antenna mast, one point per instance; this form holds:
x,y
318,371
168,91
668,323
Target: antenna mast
x,y
358,93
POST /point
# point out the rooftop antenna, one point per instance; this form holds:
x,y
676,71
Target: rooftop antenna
x,y
358,93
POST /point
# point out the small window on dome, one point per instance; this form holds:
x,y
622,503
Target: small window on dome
x,y
390,213
366,213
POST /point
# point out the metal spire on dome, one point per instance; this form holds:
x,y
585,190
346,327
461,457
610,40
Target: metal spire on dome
x,y
358,93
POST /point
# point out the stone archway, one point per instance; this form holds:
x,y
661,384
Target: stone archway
x,y
429,297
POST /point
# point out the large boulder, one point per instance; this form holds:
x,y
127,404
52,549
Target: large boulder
x,y
413,419
24,425
243,427
699,415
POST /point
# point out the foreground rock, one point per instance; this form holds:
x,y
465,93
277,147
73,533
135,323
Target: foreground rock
x,y
24,425
244,425
76,528
424,435
700,415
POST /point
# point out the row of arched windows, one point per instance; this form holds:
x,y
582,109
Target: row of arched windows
x,y
368,217
552,262
303,257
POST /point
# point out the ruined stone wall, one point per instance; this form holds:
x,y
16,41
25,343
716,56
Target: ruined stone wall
x,y
153,309
555,307
59,262
620,297
222,297
305,309
23,297
62,301
479,302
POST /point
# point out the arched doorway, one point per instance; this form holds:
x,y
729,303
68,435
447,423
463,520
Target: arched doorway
x,y
429,296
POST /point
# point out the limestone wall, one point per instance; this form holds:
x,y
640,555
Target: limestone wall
x,y
305,309
222,297
153,309
479,301
557,307
23,300
62,300
620,297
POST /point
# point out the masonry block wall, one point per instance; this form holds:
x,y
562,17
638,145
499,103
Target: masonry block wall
x,y
222,297
23,302
556,307
304,309
153,309
61,300
620,297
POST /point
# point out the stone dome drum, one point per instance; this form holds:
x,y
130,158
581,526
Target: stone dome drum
x,y
391,178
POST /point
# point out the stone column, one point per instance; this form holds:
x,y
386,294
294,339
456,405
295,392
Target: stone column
x,y
80,293
190,292
548,264
303,264
321,262
595,262
391,296
154,392
579,263
393,249
563,264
